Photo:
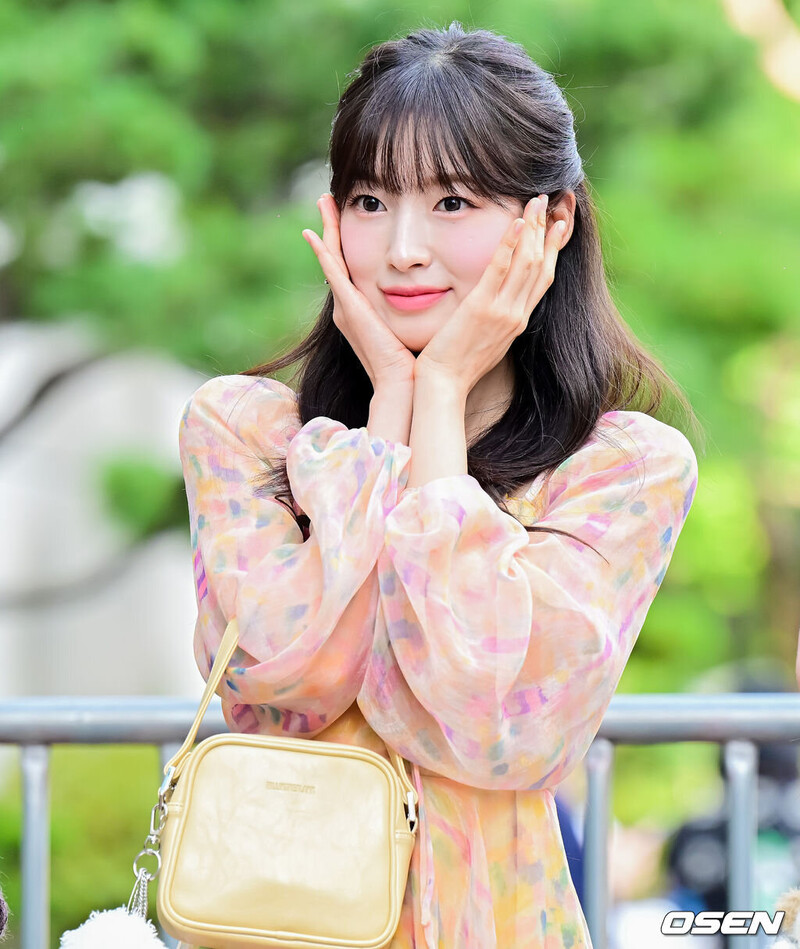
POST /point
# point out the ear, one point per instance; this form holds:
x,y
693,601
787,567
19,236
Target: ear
x,y
563,211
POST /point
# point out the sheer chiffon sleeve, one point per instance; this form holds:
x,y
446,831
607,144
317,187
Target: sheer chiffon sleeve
x,y
305,613
497,651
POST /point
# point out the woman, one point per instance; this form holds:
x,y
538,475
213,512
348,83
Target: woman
x,y
447,540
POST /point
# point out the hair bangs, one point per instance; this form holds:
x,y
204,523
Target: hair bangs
x,y
410,139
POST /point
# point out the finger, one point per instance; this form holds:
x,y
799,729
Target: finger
x,y
541,231
330,225
343,289
495,273
330,267
528,255
548,269
331,234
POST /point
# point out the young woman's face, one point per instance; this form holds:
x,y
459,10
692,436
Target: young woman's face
x,y
436,239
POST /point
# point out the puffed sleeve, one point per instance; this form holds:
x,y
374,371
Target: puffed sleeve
x,y
497,651
305,613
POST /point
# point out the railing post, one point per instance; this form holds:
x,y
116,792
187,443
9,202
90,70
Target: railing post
x,y
741,770
35,923
599,763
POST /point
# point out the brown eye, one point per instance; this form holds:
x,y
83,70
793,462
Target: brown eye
x,y
354,202
456,198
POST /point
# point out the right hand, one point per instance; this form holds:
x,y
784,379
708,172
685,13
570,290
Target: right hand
x,y
386,360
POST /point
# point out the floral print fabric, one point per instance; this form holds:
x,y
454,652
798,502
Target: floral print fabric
x,y
429,620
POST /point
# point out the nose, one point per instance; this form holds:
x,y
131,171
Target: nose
x,y
409,243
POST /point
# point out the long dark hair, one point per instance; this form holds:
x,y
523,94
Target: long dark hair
x,y
480,110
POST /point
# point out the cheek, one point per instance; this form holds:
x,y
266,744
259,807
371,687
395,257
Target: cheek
x,y
473,249
359,248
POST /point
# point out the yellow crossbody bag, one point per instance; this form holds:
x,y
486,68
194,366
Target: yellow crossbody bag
x,y
288,843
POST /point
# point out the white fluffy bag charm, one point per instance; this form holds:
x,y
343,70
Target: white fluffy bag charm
x,y
113,927
125,927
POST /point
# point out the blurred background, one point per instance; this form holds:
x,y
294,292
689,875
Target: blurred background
x,y
158,161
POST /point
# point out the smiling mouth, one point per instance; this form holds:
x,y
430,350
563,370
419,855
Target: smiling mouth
x,y
417,301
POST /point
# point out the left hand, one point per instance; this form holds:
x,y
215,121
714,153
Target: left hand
x,y
477,336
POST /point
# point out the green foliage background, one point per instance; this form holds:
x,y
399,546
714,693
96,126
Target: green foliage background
x,y
692,155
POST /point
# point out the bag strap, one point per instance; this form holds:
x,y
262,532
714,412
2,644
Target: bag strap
x,y
221,660
224,653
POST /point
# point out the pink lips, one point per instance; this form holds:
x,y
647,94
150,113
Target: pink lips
x,y
414,300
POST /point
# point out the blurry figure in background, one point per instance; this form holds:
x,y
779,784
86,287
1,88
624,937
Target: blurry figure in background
x,y
698,852
636,915
789,904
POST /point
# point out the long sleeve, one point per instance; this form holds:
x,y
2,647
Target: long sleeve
x,y
305,613
497,651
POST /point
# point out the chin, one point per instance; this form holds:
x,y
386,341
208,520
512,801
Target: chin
x,y
413,330
415,346
414,342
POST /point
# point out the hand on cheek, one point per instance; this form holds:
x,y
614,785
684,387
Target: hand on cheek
x,y
497,310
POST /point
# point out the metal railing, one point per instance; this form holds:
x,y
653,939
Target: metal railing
x,y
737,721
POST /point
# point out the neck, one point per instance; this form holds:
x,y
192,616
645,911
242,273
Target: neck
x,y
489,398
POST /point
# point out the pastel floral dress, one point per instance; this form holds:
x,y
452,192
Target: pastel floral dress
x,y
429,620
